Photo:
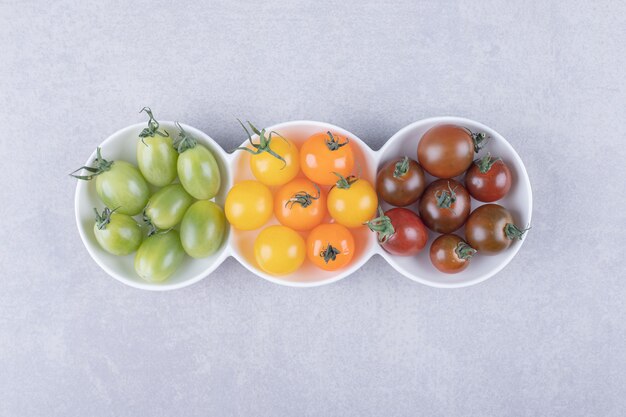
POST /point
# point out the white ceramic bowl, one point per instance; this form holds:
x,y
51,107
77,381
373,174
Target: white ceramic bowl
x,y
239,244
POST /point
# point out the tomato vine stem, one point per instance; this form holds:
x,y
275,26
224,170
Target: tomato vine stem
x,y
153,127
485,163
100,165
333,144
264,142
401,168
184,141
382,226
345,182
445,198
329,253
464,250
303,198
513,232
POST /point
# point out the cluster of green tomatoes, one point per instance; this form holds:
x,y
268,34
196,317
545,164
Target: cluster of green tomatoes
x,y
126,191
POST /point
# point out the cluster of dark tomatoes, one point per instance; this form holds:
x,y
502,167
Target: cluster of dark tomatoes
x,y
446,152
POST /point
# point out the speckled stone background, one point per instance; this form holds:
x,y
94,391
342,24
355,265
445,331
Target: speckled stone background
x,y
545,337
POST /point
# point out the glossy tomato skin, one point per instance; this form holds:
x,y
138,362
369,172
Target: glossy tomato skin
x,y
279,250
159,256
318,161
249,205
166,207
446,151
341,249
272,171
198,172
491,185
157,159
120,236
485,229
442,219
299,205
203,229
410,234
400,187
353,206
123,188
444,255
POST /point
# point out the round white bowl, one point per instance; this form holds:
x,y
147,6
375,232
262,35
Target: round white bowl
x,y
239,244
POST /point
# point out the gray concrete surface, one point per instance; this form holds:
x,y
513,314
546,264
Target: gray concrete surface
x,y
546,337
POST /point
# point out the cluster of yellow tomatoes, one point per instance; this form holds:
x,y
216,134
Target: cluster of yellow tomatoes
x,y
313,193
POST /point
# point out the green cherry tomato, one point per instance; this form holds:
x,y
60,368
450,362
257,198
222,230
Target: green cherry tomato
x,y
119,185
197,168
159,256
203,229
166,207
156,155
118,234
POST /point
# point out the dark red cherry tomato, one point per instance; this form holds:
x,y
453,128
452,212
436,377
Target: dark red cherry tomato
x,y
490,229
488,179
400,231
446,151
450,254
401,182
444,206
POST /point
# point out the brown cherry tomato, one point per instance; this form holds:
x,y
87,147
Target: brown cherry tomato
x,y
446,151
450,254
488,179
400,231
444,206
490,229
401,182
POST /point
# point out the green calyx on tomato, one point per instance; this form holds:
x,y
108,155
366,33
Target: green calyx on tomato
x,y
184,141
464,251
100,165
480,140
264,142
333,144
382,226
485,163
401,168
345,182
445,198
103,219
329,253
153,126
513,232
303,198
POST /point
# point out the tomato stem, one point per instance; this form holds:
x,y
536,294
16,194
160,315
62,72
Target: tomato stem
x,y
445,198
345,182
184,141
153,127
333,144
486,162
105,218
329,253
100,165
513,232
303,198
264,142
464,251
382,226
402,167
480,140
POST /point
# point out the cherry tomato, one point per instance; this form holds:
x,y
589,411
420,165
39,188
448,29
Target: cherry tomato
x,y
249,205
159,256
119,184
275,159
450,254
166,207
279,250
444,206
325,153
488,179
330,246
400,231
300,204
118,234
156,155
401,182
446,151
352,201
203,229
197,168
490,229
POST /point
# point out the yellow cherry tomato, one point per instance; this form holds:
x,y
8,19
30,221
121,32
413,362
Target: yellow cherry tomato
x,y
352,201
249,205
279,250
275,159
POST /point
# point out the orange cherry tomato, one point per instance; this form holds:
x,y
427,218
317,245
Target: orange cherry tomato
x,y
325,153
300,204
330,246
